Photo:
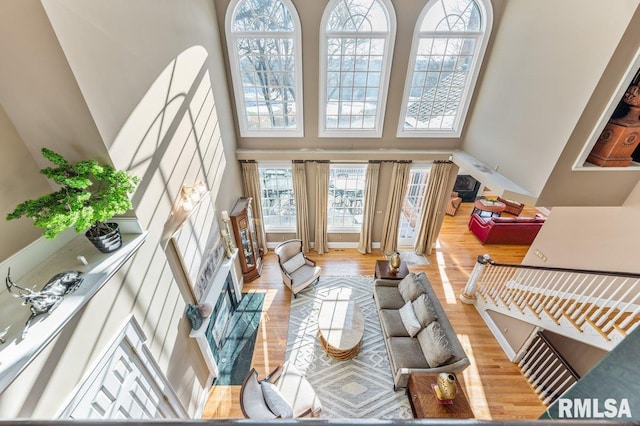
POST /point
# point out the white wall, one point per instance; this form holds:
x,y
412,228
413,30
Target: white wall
x,y
596,238
546,61
155,91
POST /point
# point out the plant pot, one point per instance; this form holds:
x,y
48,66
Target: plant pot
x,y
109,242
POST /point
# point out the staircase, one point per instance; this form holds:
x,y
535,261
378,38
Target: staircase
x,y
595,307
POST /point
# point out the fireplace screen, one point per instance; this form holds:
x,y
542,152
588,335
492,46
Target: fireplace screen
x,y
226,305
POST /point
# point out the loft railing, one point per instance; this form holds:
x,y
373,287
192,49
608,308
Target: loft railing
x,y
547,371
574,302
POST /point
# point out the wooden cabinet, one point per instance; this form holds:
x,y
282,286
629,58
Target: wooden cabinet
x,y
244,232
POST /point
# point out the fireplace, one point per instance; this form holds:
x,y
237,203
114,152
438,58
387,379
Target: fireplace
x,y
467,188
217,330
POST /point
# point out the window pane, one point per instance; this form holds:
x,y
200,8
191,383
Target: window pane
x,y
443,65
267,84
360,55
346,194
278,203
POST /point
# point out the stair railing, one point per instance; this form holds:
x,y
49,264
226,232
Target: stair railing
x,y
607,303
547,371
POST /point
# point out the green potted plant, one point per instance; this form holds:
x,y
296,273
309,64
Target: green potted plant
x,y
90,194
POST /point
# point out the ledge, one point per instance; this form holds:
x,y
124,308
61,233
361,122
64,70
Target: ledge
x,y
58,255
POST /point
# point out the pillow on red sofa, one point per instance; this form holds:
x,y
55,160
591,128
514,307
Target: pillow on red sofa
x,y
540,218
503,219
525,219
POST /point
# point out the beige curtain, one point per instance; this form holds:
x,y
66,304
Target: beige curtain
x,y
370,195
399,180
302,205
433,206
251,182
322,194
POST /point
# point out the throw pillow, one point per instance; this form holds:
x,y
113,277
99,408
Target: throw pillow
x,y
425,312
409,320
294,263
275,401
435,345
409,288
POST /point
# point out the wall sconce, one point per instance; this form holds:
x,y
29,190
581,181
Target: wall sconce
x,y
191,195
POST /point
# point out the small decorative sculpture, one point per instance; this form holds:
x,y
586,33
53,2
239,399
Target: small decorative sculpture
x,y
446,389
394,261
47,299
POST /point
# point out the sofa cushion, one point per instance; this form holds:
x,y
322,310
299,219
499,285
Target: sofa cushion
x,y
425,312
275,401
409,287
522,219
435,345
409,319
392,323
503,219
388,297
294,263
405,352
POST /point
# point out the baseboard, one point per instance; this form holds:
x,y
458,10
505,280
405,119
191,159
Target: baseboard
x,y
332,245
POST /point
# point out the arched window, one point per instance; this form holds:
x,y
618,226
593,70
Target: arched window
x,y
263,38
448,45
356,48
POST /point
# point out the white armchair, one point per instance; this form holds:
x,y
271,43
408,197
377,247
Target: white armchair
x,y
298,272
292,386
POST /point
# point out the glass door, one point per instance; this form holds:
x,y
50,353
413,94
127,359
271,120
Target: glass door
x,y
412,206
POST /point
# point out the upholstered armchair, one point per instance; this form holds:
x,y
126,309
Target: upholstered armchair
x,y
298,272
454,204
293,395
512,207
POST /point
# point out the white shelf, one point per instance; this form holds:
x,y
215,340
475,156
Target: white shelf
x,y
17,352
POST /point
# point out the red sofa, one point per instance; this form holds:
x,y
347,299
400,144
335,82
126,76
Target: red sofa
x,y
506,230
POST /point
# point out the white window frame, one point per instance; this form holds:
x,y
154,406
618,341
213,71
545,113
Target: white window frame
x,y
482,38
419,168
349,229
276,165
236,74
389,41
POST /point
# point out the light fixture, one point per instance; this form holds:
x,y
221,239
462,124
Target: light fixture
x,y
192,194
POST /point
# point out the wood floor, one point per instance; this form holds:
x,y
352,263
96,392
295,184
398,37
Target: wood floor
x,y
494,386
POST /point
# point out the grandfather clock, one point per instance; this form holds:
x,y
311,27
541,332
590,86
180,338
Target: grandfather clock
x,y
245,235
620,137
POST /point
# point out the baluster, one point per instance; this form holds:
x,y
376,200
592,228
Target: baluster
x,y
529,290
624,324
540,362
557,282
597,302
621,311
574,289
578,313
468,294
574,305
546,288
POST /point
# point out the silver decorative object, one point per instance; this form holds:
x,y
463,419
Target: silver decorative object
x,y
47,299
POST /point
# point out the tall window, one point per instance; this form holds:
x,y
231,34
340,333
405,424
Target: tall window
x,y
412,205
357,39
278,203
263,38
448,46
346,197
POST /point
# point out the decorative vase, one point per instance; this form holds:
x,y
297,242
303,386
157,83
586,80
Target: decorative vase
x,y
447,388
394,261
109,242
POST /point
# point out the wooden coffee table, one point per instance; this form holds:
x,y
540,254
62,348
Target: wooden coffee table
x,y
494,208
340,325
383,270
424,403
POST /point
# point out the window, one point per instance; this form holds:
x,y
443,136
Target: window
x,y
446,53
355,60
346,197
278,203
413,203
263,38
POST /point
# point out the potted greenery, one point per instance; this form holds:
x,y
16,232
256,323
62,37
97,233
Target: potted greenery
x,y
90,194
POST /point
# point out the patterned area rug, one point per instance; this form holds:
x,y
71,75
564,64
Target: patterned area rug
x,y
412,258
358,388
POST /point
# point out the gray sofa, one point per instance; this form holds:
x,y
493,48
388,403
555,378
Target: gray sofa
x,y
409,354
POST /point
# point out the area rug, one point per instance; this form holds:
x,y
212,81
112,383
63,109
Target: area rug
x,y
234,359
411,258
358,388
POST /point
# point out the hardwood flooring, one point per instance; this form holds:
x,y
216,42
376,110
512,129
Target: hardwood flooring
x,y
494,386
